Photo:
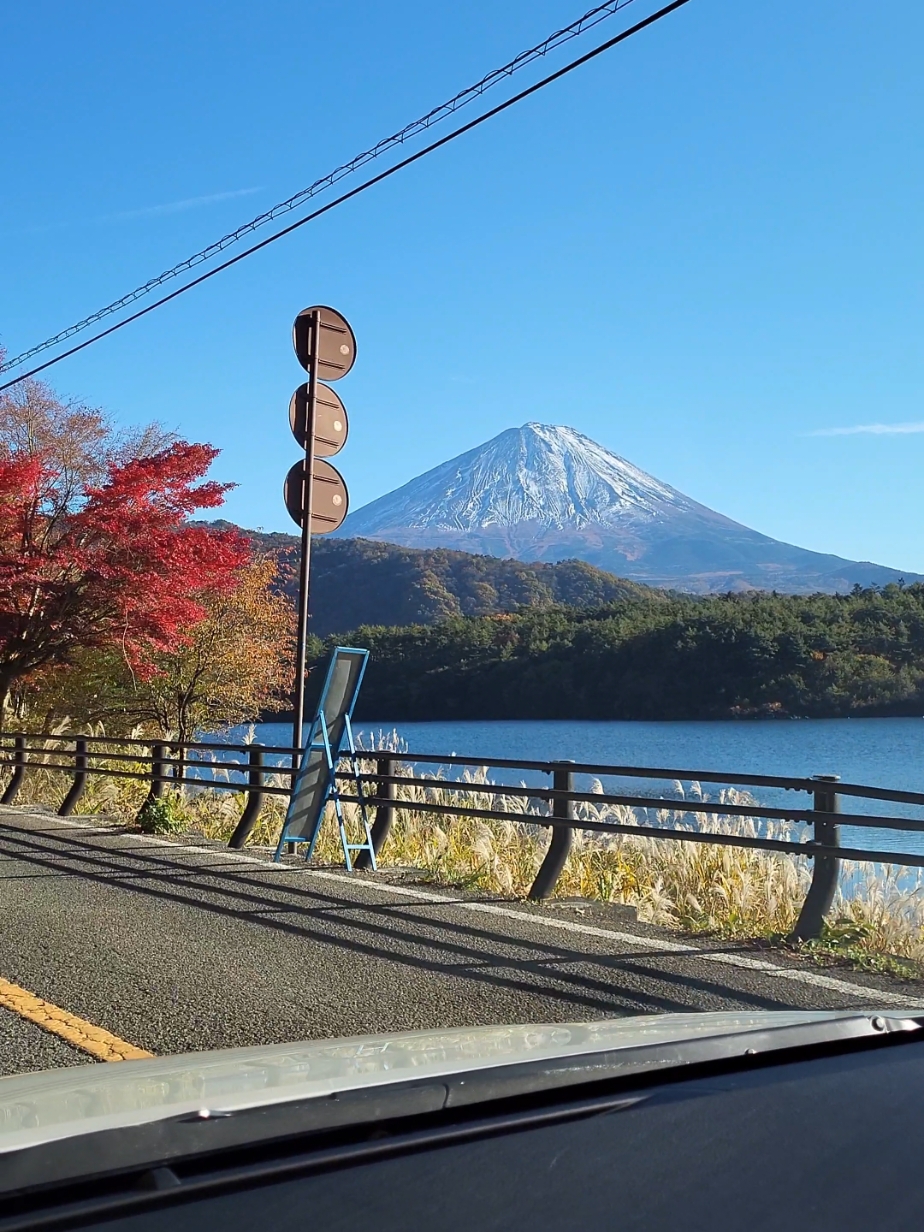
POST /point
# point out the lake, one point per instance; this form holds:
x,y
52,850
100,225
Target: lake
x,y
877,752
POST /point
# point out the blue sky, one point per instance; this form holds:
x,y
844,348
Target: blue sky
x,y
704,249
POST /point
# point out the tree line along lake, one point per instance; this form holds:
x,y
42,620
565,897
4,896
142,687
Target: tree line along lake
x,y
877,752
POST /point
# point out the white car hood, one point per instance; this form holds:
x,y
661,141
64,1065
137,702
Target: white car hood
x,y
41,1107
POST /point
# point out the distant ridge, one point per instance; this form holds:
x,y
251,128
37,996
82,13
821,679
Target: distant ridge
x,y
360,582
542,493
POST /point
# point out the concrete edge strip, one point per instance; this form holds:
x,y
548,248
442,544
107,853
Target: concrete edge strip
x,y
811,978
76,1031
870,995
150,839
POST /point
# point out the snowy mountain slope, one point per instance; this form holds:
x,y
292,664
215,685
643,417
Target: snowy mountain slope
x,y
550,493
554,477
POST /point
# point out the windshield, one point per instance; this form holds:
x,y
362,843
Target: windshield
x,y
460,567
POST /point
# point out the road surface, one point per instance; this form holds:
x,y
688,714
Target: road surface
x,y
170,946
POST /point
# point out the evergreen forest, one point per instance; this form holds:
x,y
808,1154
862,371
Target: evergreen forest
x,y
655,656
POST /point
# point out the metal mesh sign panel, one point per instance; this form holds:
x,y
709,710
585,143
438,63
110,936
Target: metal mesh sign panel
x,y
313,783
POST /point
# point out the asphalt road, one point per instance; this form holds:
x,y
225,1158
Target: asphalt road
x,y
178,946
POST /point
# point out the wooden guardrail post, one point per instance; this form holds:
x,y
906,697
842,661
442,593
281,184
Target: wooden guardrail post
x,y
384,813
562,837
79,785
254,799
825,871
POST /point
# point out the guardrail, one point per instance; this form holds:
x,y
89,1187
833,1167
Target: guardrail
x,y
162,763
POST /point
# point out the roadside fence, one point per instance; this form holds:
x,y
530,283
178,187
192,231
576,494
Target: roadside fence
x,y
259,771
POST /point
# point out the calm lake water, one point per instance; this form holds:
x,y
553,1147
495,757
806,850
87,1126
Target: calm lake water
x,y
877,752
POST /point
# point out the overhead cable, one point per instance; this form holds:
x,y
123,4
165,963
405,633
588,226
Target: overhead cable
x,y
590,19
435,145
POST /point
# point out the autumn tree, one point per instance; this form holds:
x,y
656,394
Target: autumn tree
x,y
238,662
235,664
78,441
96,549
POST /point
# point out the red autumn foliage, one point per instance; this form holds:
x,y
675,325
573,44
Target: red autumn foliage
x,y
115,564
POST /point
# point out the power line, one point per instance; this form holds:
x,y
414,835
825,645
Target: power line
x,y
590,19
360,188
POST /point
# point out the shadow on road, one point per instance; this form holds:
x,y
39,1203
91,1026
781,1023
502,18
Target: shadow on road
x,y
425,936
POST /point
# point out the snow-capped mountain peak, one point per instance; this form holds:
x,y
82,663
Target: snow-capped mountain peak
x,y
550,477
542,493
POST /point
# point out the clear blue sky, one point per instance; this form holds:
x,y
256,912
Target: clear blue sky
x,y
704,249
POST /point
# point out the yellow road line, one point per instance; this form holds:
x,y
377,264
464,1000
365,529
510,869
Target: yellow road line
x,y
77,1031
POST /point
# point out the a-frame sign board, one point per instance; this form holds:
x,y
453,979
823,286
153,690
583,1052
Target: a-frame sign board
x,y
330,737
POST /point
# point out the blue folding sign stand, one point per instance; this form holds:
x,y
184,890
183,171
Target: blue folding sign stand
x,y
329,738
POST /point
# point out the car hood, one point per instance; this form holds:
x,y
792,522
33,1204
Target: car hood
x,y
42,1107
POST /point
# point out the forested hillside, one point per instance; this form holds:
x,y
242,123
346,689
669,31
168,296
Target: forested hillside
x,y
358,581
674,657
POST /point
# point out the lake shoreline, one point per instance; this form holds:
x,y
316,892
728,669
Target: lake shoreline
x,y
885,753
288,716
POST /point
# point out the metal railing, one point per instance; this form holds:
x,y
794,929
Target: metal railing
x,y
160,763
164,764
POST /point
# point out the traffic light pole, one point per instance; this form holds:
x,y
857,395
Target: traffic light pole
x,y
307,502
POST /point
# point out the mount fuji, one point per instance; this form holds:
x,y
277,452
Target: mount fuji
x,y
541,493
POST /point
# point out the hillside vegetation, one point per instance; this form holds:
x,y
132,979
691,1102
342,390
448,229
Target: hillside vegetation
x,y
670,657
361,581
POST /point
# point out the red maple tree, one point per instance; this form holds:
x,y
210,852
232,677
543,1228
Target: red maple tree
x,y
115,563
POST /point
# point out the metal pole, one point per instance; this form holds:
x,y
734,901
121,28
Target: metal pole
x,y
305,562
19,769
827,833
254,800
158,770
81,765
562,837
158,774
384,814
